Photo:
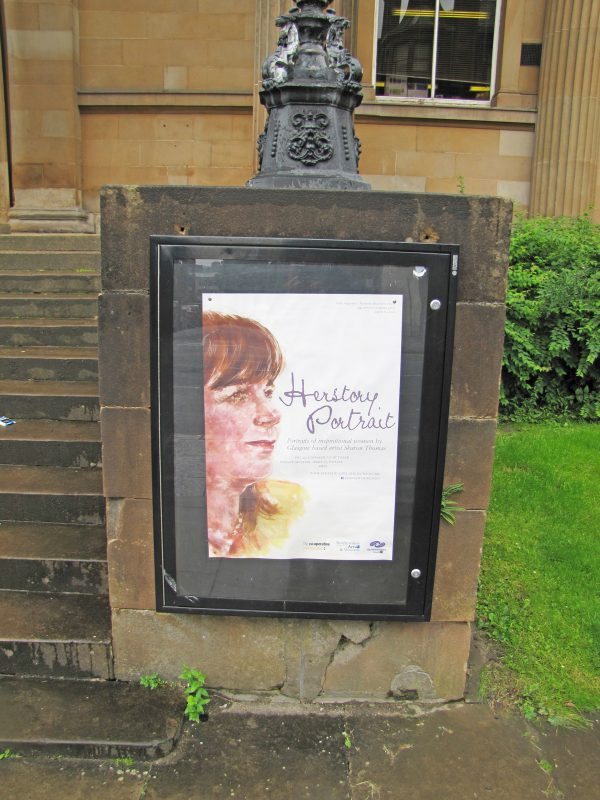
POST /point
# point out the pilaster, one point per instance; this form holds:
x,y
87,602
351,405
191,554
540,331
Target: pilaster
x,y
4,155
45,125
567,151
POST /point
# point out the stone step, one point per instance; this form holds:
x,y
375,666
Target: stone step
x,y
45,541
58,400
42,281
55,635
51,443
65,260
88,719
43,242
53,558
49,363
51,494
48,306
66,576
48,332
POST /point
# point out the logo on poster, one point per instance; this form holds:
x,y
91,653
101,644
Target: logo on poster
x,y
347,547
376,546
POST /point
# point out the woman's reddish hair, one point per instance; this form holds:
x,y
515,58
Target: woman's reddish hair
x,y
238,350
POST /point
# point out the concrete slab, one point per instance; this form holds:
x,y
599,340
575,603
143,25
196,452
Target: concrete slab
x,y
29,779
574,759
286,751
87,718
255,756
462,751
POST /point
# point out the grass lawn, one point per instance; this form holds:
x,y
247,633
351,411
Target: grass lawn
x,y
539,593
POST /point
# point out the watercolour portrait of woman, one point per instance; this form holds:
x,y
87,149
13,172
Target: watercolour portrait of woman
x,y
249,513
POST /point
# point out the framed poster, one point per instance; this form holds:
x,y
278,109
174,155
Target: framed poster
x,y
299,404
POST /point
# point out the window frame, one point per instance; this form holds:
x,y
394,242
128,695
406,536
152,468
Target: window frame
x,y
434,101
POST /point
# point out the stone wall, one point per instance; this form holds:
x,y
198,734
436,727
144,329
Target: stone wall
x,y
85,74
303,659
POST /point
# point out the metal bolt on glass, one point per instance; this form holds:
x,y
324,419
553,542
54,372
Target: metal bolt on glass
x,y
435,305
415,573
418,272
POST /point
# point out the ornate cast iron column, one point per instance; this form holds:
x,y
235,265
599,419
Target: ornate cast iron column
x,y
311,86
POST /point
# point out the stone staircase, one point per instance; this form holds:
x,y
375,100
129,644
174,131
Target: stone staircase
x,y
54,610
54,614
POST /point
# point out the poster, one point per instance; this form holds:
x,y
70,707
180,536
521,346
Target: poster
x,y
301,400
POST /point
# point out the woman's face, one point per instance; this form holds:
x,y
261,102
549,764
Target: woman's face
x,y
241,431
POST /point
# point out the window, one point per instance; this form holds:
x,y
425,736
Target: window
x,y
437,49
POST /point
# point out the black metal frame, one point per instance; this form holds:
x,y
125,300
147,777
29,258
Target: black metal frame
x,y
442,263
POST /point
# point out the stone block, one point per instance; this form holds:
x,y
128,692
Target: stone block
x,y
129,528
111,153
517,143
170,127
130,215
395,183
517,191
172,153
439,650
121,77
232,154
48,73
201,154
58,124
457,568
225,79
100,52
99,126
59,175
126,456
105,24
441,165
40,97
124,340
378,161
22,16
469,460
390,137
28,176
41,45
55,17
443,139
309,645
478,349
238,653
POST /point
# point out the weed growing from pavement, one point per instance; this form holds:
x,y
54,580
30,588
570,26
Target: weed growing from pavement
x,y
545,765
8,753
123,763
153,681
196,695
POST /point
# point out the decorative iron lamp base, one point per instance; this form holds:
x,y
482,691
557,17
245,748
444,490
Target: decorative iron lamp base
x,y
311,86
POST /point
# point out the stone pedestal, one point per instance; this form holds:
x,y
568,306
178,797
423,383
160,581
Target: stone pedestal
x,y
302,659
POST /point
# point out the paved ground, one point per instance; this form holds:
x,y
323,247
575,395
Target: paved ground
x,y
286,752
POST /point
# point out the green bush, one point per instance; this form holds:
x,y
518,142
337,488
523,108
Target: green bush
x,y
551,364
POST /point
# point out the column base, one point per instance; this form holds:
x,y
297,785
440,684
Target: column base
x,y
44,220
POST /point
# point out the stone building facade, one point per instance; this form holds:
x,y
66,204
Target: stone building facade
x,y
155,92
